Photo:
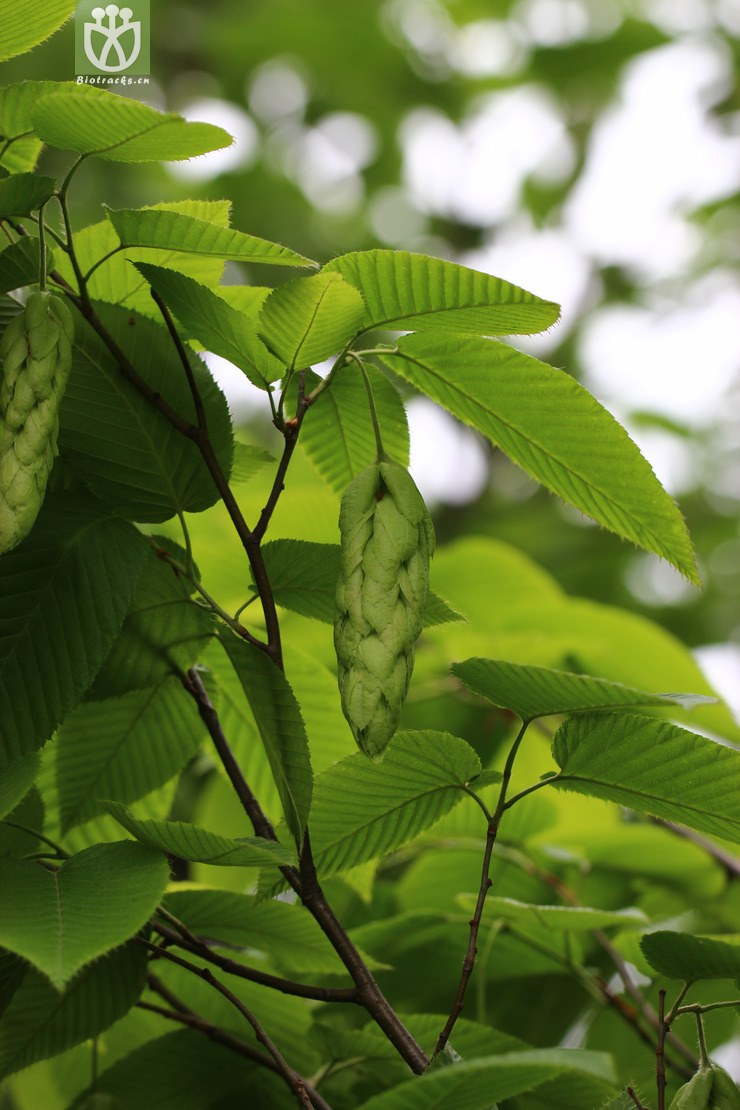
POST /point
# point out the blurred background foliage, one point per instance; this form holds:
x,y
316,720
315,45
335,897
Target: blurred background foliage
x,y
587,149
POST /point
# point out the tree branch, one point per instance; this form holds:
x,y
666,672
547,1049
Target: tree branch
x,y
260,822
308,888
198,947
291,1077
660,1051
485,885
219,1036
368,991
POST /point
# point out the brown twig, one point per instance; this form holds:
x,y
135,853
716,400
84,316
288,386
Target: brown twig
x,y
472,950
197,947
485,885
220,1036
368,991
260,822
291,1077
306,884
660,1077
200,412
635,1099
290,431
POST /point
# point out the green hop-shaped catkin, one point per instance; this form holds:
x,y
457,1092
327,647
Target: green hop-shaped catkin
x,y
710,1089
387,540
36,356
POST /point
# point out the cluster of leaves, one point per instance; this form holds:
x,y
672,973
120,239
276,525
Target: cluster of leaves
x,y
148,724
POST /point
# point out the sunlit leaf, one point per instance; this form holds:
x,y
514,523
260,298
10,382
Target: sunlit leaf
x,y
653,767
26,23
555,430
119,128
23,193
337,431
310,318
533,692
152,227
476,1084
405,291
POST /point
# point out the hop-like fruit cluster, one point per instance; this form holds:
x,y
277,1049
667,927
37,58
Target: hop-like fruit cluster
x,y
36,353
387,540
710,1089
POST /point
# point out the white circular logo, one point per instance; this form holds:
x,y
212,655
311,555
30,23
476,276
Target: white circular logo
x,y
103,39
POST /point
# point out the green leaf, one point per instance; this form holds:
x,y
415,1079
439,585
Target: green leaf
x,y
337,431
19,263
476,1084
308,319
568,918
178,838
519,612
280,726
304,575
439,611
26,23
118,444
30,814
405,292
40,1022
16,779
115,281
363,809
156,227
165,631
248,461
119,128
178,1071
555,430
220,328
64,593
533,692
687,957
124,747
16,107
653,767
23,193
288,933
61,920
